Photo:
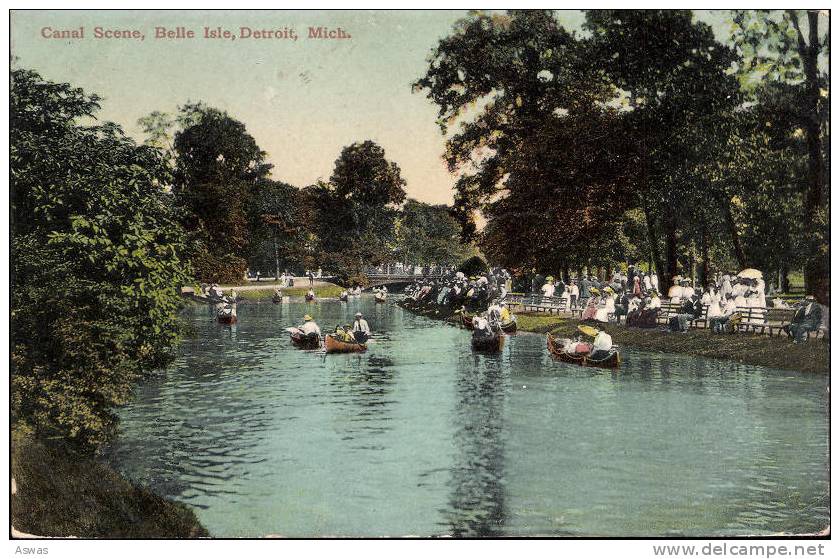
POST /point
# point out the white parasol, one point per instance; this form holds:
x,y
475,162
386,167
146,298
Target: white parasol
x,y
750,273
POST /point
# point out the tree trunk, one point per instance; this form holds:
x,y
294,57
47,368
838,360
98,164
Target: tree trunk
x,y
653,243
670,252
276,258
704,255
732,228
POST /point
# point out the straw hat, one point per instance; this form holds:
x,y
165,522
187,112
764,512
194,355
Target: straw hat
x,y
358,315
307,318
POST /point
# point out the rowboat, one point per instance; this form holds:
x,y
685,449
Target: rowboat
x,y
611,361
310,297
508,327
489,344
305,341
226,318
334,345
379,297
343,297
276,299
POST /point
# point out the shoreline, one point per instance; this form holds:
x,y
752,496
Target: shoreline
x,y
745,348
778,352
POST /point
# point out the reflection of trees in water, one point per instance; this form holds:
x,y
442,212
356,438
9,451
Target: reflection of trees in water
x,y
477,506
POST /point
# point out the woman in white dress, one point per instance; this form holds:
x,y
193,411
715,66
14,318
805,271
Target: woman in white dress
x,y
607,306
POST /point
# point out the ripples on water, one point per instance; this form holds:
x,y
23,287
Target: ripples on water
x,y
420,436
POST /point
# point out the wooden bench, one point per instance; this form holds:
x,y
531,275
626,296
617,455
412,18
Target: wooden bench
x,y
540,303
753,318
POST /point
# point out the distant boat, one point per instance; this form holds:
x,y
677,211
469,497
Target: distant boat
x,y
380,297
343,296
226,318
277,298
310,297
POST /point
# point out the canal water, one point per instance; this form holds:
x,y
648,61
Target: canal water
x,y
420,436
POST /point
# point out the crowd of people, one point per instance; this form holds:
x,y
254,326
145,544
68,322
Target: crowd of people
x,y
455,290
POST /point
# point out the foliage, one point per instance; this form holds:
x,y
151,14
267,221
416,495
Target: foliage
x,y
428,234
280,232
97,256
218,167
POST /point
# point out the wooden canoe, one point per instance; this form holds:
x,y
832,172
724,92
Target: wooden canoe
x,y
334,345
310,297
342,297
509,327
310,341
226,318
487,344
466,321
275,299
612,361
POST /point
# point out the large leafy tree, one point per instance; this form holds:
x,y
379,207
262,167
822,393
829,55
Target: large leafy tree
x,y
677,81
428,234
785,68
357,209
281,236
520,84
218,166
97,256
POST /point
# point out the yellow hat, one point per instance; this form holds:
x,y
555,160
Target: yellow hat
x,y
307,317
594,290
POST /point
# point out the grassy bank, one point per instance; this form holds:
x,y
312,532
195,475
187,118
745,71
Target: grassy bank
x,y
60,495
776,352
324,291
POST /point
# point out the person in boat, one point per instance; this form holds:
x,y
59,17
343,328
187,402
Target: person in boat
x,y
344,294
482,327
309,326
277,293
601,346
494,311
361,329
343,334
310,294
504,315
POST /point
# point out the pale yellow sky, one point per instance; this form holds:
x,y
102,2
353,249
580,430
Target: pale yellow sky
x,y
301,100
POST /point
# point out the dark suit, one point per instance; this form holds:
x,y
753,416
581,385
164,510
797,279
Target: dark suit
x,y
807,318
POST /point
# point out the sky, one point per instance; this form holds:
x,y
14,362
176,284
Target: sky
x,y
302,101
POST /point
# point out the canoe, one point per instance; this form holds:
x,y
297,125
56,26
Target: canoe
x,y
491,344
342,297
226,318
337,346
275,299
309,341
310,297
509,327
611,361
379,298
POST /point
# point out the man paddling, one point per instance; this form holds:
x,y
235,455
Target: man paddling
x,y
361,330
309,326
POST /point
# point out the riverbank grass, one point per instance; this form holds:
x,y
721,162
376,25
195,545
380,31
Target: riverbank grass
x,y
775,352
58,494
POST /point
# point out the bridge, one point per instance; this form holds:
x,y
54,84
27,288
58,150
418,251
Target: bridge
x,y
378,279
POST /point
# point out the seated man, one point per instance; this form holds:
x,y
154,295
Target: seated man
x,y
602,345
807,318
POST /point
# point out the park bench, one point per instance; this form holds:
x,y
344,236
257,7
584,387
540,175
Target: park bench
x,y
540,303
753,318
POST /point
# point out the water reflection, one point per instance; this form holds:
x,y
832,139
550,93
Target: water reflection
x,y
420,436
477,503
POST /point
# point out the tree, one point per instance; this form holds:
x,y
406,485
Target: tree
x,y
679,88
355,212
97,257
520,84
281,233
428,234
218,169
778,49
